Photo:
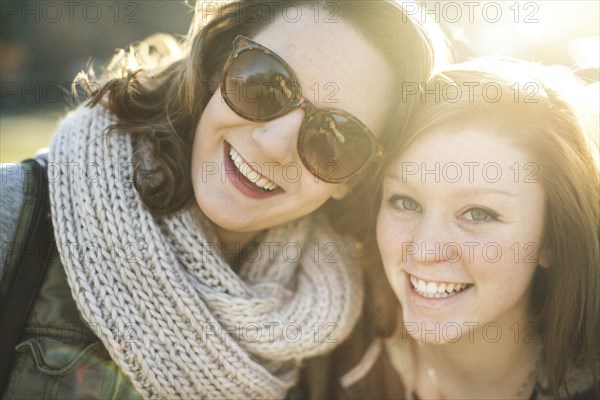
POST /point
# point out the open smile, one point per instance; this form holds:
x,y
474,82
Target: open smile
x,y
246,170
437,289
249,181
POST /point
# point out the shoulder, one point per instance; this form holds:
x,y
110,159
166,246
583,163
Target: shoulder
x,y
80,125
363,367
580,383
12,181
590,393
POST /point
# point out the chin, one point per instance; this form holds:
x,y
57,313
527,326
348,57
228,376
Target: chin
x,y
215,212
436,332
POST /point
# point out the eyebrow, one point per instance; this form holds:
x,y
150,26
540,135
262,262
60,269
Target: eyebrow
x,y
478,190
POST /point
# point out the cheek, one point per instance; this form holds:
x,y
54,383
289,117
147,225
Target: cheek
x,y
216,116
200,136
396,279
208,136
389,240
196,154
209,118
503,282
382,236
204,156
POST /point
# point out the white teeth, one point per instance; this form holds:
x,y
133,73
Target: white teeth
x,y
436,290
262,182
249,173
431,288
253,176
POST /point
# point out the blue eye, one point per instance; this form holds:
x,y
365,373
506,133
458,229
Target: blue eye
x,y
404,203
477,214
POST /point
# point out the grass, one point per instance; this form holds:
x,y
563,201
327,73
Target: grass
x,y
22,135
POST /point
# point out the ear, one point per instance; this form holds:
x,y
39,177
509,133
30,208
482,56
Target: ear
x,y
341,191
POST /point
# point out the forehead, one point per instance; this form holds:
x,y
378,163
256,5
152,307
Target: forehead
x,y
466,158
335,65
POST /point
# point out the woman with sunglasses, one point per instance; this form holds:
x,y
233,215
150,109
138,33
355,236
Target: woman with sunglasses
x,y
210,273
488,232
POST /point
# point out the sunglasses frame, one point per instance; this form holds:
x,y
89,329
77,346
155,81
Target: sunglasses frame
x,y
242,44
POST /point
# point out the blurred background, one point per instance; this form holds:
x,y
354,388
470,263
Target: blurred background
x,y
44,44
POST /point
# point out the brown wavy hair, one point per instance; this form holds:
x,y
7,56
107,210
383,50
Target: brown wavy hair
x,y
541,110
160,87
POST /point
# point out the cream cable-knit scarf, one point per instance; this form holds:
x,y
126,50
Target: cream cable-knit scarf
x,y
172,314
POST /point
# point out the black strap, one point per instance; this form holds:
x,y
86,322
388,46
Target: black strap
x,y
35,253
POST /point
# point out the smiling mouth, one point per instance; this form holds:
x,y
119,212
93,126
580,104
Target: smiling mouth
x,y
432,289
252,178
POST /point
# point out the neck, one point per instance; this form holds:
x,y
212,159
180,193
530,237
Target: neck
x,y
481,365
231,243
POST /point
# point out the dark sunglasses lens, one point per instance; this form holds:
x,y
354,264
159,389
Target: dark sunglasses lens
x,y
333,146
258,86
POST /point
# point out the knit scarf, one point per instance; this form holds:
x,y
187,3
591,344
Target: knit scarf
x,y
176,319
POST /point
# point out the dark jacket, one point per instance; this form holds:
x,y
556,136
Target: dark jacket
x,y
58,356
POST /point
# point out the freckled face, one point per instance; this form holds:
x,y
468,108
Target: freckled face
x,y
463,249
331,62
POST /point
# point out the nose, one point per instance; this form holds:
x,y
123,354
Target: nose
x,y
277,138
432,242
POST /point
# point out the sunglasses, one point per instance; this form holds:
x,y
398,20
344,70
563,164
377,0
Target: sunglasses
x,y
258,85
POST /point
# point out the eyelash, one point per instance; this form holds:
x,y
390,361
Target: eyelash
x,y
397,202
490,215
